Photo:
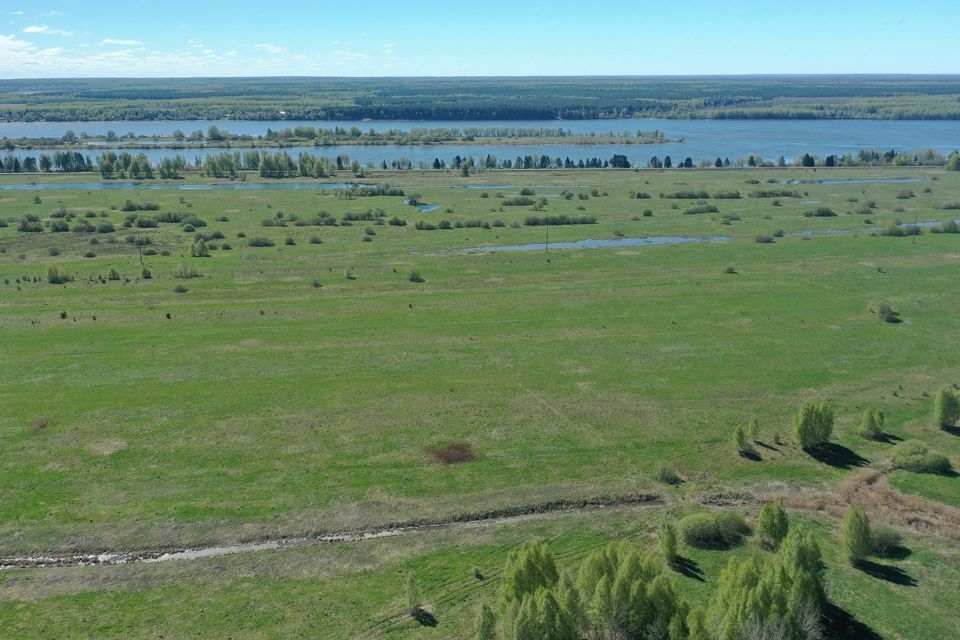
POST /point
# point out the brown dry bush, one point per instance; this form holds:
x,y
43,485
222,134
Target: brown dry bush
x,y
871,490
453,452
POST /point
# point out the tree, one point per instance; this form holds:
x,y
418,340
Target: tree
x,y
753,429
486,624
530,568
856,534
871,425
813,425
740,442
953,162
413,595
773,524
199,249
946,408
668,542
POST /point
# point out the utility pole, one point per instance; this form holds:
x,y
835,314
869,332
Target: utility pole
x,y
546,246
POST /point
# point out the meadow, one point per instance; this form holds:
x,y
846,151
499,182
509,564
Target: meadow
x,y
315,383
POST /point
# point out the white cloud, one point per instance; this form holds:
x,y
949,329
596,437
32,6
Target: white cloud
x,y
35,28
53,14
269,48
120,41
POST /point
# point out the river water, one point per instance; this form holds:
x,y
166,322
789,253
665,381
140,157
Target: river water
x,y
695,138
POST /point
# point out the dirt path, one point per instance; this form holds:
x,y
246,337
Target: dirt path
x,y
503,516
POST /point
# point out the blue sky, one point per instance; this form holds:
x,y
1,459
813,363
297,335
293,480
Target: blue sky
x,y
484,37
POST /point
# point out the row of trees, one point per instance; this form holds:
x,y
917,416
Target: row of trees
x,y
620,591
282,164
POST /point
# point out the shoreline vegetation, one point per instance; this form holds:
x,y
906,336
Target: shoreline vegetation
x,y
305,136
884,97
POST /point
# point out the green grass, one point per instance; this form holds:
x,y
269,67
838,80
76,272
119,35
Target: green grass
x,y
265,406
357,590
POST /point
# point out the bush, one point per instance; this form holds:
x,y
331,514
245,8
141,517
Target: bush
x,y
700,208
856,534
55,275
562,219
713,530
415,276
885,540
946,408
185,272
772,524
145,273
951,206
915,456
820,212
950,226
289,242
89,254
668,475
813,425
260,242
180,289
686,195
53,251
727,195
763,239
886,313
199,249
871,425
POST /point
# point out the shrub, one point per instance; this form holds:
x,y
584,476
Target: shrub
x,y
686,195
518,201
113,275
950,226
772,524
668,475
915,456
886,313
527,191
562,219
713,530
946,408
260,242
415,276
885,540
55,275
59,226
317,284
89,254
813,425
775,193
668,542
199,249
727,195
485,626
53,251
901,231
763,239
820,212
145,273
289,242
700,208
871,425
753,429
856,534
185,273
951,206
730,270
180,289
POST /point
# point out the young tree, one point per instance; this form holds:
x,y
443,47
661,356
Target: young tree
x,y
871,425
813,425
753,429
856,534
486,624
413,594
668,542
946,408
740,442
772,524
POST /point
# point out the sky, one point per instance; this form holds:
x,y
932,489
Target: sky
x,y
96,38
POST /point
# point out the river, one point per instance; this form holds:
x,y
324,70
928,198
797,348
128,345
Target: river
x,y
694,138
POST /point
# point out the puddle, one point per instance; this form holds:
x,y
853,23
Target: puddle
x,y
855,181
423,207
809,202
647,241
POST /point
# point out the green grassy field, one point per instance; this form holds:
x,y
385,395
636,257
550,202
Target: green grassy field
x,y
257,404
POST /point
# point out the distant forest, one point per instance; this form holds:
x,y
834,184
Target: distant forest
x,y
741,97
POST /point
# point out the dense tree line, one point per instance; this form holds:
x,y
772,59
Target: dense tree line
x,y
893,97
